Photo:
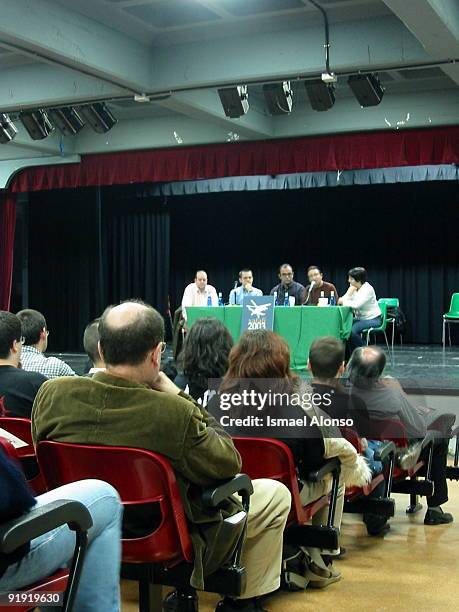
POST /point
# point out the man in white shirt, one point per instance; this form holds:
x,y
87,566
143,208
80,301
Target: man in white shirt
x,y
238,294
35,334
197,293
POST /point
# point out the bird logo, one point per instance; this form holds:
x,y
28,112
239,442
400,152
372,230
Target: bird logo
x,y
258,310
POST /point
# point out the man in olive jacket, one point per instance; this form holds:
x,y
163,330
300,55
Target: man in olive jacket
x,y
133,404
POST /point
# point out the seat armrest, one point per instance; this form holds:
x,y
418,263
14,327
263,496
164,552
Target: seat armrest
x,y
240,483
430,437
41,520
384,451
331,465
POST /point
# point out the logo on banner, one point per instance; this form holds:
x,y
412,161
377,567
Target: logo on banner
x,y
257,313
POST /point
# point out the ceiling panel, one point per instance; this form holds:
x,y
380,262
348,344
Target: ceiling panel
x,y
422,73
242,8
172,13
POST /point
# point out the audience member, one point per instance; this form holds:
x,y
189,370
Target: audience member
x,y
18,388
134,404
317,286
326,364
287,286
265,355
385,399
237,295
35,334
361,298
91,346
197,293
205,355
99,582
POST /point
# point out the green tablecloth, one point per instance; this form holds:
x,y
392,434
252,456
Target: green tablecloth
x,y
299,325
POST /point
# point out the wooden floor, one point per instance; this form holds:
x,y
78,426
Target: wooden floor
x,y
413,568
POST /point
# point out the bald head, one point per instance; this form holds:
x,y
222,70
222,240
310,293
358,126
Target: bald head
x,y
128,332
366,366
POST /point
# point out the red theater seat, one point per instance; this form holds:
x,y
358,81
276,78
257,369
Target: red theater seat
x,y
163,555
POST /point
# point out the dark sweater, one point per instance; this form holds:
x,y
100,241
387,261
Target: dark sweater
x,y
18,389
313,300
307,449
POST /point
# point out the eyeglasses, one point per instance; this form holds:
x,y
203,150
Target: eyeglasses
x,y
22,340
163,347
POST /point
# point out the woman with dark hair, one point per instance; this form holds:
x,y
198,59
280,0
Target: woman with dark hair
x,y
205,355
361,297
264,357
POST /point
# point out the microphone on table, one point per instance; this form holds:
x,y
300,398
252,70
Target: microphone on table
x,y
311,287
234,288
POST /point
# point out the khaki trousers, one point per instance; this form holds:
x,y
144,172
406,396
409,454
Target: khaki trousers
x,y
262,550
311,491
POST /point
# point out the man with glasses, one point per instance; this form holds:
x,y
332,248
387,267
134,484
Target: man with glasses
x,y
18,388
36,334
287,286
134,404
317,287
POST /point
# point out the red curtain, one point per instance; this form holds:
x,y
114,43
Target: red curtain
x,y
7,227
312,154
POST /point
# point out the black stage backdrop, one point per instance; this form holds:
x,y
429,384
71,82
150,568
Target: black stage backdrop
x,y
91,247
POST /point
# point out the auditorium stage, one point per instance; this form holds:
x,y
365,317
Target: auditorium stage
x,y
426,368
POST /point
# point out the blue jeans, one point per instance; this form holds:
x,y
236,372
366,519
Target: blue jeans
x,y
357,328
98,590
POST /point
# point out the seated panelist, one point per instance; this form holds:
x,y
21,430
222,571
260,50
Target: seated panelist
x,y
246,288
317,286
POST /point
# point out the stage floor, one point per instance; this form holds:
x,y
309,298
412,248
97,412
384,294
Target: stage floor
x,y
419,368
426,368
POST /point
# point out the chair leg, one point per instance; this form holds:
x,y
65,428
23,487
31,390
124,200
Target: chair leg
x,y
393,334
443,336
414,506
391,354
449,332
150,596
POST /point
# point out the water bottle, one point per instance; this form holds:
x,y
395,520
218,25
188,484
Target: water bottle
x,y
220,299
332,300
286,301
209,300
275,298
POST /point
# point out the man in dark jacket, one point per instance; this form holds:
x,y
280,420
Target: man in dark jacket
x,y
385,398
18,388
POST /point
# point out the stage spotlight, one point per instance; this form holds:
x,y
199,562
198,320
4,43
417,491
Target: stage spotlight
x,y
321,95
98,116
36,123
7,129
279,97
235,101
67,120
366,88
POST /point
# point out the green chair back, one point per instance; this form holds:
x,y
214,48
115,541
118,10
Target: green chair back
x,y
383,307
453,312
390,302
